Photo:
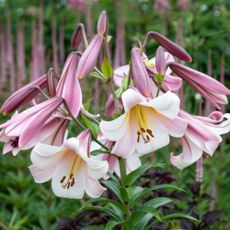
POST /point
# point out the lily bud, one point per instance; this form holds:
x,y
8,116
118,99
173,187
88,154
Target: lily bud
x,y
24,95
77,36
102,23
209,87
140,74
171,46
89,57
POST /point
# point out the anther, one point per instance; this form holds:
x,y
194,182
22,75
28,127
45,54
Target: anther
x,y
150,132
142,130
63,179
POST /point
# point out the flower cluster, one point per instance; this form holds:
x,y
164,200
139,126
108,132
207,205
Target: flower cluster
x,y
144,101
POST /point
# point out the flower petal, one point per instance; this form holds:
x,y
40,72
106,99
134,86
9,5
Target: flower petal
x,y
41,175
93,188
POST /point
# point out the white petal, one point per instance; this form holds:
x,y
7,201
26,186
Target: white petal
x,y
96,169
167,104
46,156
131,98
133,162
93,188
115,129
119,74
191,153
41,175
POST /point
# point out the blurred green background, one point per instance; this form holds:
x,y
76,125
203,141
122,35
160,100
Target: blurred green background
x,y
202,27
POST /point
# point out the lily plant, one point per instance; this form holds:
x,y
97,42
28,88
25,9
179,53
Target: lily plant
x,y
103,163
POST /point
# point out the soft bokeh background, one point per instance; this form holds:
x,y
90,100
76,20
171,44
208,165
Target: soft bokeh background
x,y
35,35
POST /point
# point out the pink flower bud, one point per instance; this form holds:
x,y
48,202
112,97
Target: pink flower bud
x,y
140,74
102,23
89,57
24,95
209,87
171,46
77,36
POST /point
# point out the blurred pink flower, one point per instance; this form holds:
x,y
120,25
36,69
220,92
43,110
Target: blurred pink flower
x,y
162,6
76,4
70,167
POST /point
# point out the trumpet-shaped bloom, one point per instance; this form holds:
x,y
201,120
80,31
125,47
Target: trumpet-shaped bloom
x,y
68,87
146,124
210,88
70,167
24,95
202,135
25,129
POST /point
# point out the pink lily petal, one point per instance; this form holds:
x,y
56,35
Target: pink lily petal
x,y
172,82
102,23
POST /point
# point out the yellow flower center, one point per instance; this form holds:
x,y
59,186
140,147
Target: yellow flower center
x,y
69,180
143,130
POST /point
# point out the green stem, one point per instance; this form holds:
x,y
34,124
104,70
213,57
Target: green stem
x,y
122,167
83,127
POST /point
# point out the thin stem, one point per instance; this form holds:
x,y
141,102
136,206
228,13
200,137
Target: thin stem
x,y
83,127
122,167
110,84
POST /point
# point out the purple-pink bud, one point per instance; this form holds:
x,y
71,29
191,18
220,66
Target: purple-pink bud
x,y
171,46
209,87
140,74
160,60
77,36
102,23
24,95
89,57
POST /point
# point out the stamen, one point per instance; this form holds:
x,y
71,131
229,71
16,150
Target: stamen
x,y
63,179
150,132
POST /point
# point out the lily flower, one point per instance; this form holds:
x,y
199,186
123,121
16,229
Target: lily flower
x,y
25,129
207,86
69,87
202,135
146,124
70,167
24,95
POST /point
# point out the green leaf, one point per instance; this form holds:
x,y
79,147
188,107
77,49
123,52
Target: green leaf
x,y
108,211
124,83
144,192
111,224
91,125
115,188
155,203
118,92
96,75
179,215
131,178
106,68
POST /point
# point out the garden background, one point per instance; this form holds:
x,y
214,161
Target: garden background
x,y
36,35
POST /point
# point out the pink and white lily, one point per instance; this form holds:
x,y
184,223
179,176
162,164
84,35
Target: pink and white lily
x,y
202,135
146,124
70,167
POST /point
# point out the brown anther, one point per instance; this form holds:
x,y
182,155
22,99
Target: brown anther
x,y
138,133
68,185
138,138
142,130
72,182
62,179
148,138
150,132
71,175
